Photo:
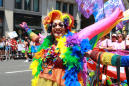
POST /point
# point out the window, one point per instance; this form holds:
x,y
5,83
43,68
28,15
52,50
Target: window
x,y
27,5
1,26
71,10
58,5
18,4
75,24
33,21
30,19
1,3
1,23
36,5
64,7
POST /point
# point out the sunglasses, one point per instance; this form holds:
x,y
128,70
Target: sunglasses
x,y
55,24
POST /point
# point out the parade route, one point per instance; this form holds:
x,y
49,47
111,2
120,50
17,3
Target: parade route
x,y
15,73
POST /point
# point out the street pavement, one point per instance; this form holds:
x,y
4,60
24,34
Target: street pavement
x,y
15,73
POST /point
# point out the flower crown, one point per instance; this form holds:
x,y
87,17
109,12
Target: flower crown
x,y
67,19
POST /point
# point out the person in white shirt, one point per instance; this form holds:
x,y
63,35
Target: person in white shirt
x,y
21,47
102,43
113,42
120,43
127,42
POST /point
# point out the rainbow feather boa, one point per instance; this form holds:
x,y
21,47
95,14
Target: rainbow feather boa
x,y
71,52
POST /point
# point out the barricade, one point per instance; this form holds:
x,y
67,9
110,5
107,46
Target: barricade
x,y
2,53
6,53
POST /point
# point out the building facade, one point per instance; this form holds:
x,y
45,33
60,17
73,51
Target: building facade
x,y
13,12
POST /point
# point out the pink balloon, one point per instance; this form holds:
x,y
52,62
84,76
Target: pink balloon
x,y
100,26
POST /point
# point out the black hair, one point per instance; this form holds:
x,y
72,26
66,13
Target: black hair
x,y
49,28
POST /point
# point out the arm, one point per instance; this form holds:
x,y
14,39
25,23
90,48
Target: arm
x,y
105,25
32,35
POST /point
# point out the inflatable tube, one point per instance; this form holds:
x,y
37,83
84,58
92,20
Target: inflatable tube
x,y
100,26
107,58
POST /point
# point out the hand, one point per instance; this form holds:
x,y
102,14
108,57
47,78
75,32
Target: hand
x,y
23,25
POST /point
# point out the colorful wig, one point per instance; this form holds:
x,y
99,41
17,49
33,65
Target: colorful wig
x,y
67,19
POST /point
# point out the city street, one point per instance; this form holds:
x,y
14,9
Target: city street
x,y
15,73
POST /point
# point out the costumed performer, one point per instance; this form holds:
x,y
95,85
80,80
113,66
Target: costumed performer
x,y
60,58
58,62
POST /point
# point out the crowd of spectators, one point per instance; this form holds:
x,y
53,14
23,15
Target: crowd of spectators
x,y
25,48
116,42
16,48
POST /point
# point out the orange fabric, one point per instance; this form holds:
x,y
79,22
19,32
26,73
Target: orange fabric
x,y
80,79
39,54
57,74
101,56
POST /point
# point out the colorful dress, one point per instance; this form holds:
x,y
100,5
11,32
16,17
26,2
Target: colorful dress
x,y
60,63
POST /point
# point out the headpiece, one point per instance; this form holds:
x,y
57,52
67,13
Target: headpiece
x,y
67,19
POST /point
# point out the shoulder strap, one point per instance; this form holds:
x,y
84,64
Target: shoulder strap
x,y
98,68
118,69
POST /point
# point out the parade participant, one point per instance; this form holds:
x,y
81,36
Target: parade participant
x,y
56,64
60,58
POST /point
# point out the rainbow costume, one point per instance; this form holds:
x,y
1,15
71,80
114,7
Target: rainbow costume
x,y
61,63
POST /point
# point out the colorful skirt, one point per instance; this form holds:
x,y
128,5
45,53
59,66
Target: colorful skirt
x,y
54,79
46,82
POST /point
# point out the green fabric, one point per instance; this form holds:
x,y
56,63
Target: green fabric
x,y
47,42
114,59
